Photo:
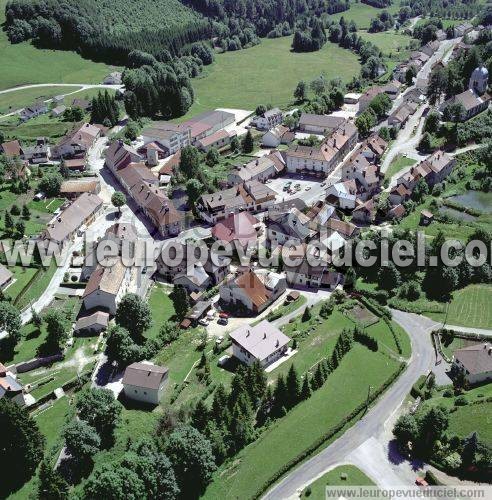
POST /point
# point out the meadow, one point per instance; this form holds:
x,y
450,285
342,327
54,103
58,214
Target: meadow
x,y
24,64
362,13
266,73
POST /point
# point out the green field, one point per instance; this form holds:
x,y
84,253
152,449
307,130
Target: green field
x,y
344,475
266,73
472,418
470,306
162,309
399,163
362,13
23,64
390,42
344,389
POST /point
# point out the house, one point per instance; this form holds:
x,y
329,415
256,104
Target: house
x,y
10,387
251,196
368,96
143,187
276,136
319,214
434,169
307,275
169,136
269,119
6,277
195,280
292,226
462,29
472,103
343,194
392,89
396,212
113,78
145,382
119,155
252,291
430,47
207,123
399,194
11,149
323,159
64,226
92,324
262,343
106,287
365,213
319,124
346,230
239,229
373,148
83,104
475,361
36,154
77,142
218,140
426,217
58,110
401,115
122,233
73,188
259,169
366,175
34,110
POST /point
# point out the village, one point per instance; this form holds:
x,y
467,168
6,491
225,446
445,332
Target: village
x,y
287,178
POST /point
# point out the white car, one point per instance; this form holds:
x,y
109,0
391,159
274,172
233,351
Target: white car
x,y
203,322
307,188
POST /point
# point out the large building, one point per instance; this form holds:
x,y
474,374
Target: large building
x,y
263,343
77,142
260,169
319,124
170,136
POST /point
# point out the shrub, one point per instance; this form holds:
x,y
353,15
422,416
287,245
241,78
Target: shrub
x,y
461,401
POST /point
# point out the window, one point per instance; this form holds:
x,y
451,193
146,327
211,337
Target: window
x,y
145,393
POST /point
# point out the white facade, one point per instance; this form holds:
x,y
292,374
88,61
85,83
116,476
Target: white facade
x,y
248,359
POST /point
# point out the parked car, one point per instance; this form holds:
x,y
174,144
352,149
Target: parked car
x,y
308,188
223,321
223,315
203,322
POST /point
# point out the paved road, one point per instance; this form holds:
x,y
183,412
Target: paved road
x,y
372,425
82,85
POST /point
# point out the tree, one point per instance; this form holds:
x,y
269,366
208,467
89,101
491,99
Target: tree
x,y
99,409
420,191
26,213
300,92
118,199
20,227
306,315
212,157
293,389
8,222
433,424
194,189
189,163
134,314
21,445
192,458
121,348
306,389
454,112
364,123
104,109
235,144
52,485
181,301
10,320
15,210
248,143
36,318
57,327
73,114
406,429
132,130
114,483
82,441
432,122
381,104
389,277
410,74
50,184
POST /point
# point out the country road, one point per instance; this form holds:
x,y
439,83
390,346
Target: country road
x,y
368,441
83,86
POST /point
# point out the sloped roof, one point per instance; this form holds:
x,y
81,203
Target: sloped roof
x,y
238,227
145,375
11,148
476,358
106,279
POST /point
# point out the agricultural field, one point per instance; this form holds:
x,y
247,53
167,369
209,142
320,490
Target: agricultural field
x,y
470,306
344,475
247,78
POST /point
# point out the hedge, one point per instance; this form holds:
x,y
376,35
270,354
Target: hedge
x,y
380,296
432,479
416,390
374,307
326,436
396,338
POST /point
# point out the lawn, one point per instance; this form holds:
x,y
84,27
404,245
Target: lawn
x,y
23,64
303,425
352,476
12,101
470,306
37,286
472,418
362,13
22,276
162,309
399,163
266,73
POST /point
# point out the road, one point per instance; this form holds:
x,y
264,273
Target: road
x,y
359,440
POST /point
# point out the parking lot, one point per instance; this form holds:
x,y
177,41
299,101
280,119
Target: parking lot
x,y
290,187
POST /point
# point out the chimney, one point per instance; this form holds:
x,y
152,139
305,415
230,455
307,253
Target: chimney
x,y
247,333
264,335
277,343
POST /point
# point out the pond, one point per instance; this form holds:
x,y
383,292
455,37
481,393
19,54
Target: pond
x,y
456,214
475,199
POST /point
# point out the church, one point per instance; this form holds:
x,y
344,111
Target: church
x,y
475,99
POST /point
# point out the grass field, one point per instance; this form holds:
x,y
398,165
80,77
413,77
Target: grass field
x,y
470,306
344,475
390,42
266,73
399,163
12,101
162,309
362,13
472,418
23,64
303,425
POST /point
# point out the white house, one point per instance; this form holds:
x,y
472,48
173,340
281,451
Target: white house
x,y
10,387
106,287
344,194
263,342
475,361
276,136
169,135
145,382
269,119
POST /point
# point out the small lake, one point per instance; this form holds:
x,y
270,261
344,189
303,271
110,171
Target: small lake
x,y
456,214
475,199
